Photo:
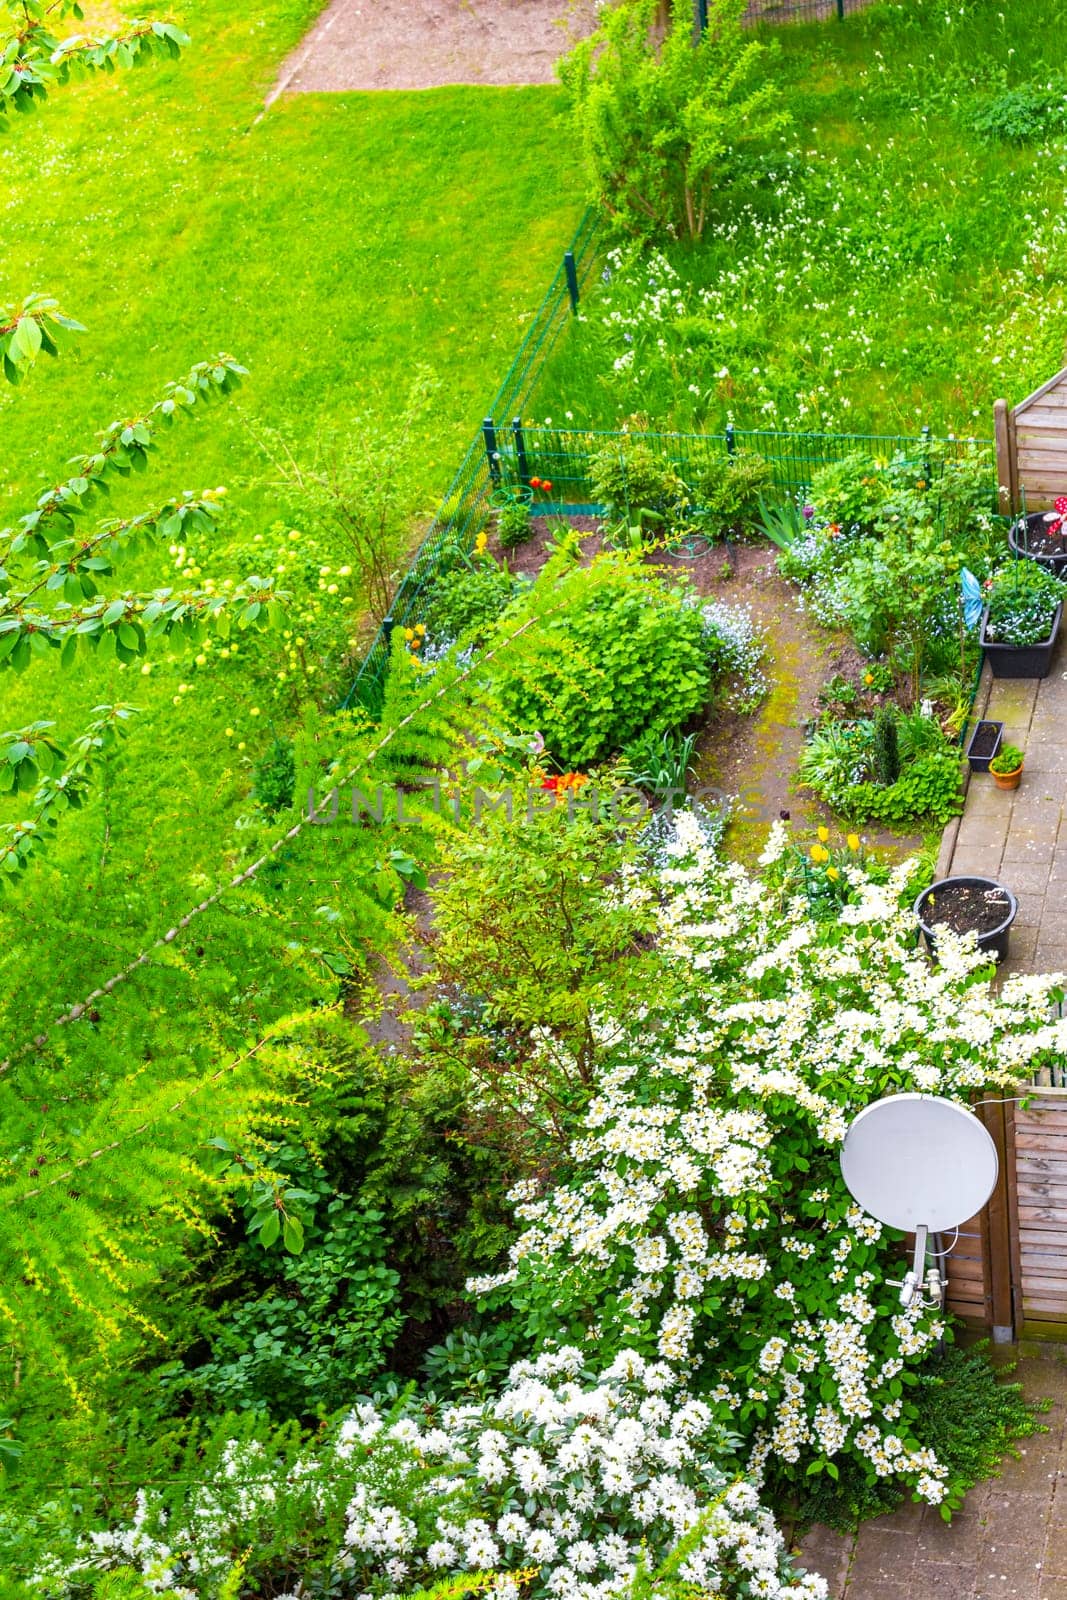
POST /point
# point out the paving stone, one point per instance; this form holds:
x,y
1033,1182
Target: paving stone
x,y
999,1582
982,833
1014,1518
957,1540
975,863
941,1582
1029,878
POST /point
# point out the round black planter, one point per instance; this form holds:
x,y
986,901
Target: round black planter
x,y
1023,530
996,940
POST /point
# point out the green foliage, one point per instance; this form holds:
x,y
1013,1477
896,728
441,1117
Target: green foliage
x,y
1023,115
469,1362
849,765
1007,760
463,602
355,491
964,1411
927,790
885,746
621,654
274,778
636,486
318,1335
730,493
513,522
1022,603
528,920
34,60
662,119
659,763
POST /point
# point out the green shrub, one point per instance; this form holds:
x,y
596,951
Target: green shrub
x,y
849,492
729,492
928,790
275,777
321,1333
1023,115
966,1413
886,746
464,602
634,485
513,523
625,655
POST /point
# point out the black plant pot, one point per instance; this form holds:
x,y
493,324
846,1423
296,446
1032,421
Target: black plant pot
x,y
1022,532
981,763
1021,661
996,940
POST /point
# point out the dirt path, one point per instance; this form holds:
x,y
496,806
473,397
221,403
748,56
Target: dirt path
x,y
424,44
755,757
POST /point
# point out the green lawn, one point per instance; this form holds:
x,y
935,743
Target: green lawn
x,y
330,244
890,268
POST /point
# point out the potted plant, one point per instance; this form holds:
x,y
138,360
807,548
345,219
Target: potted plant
x,y
1042,536
968,905
1007,767
1021,620
985,742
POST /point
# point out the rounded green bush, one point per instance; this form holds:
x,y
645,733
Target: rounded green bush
x,y
625,655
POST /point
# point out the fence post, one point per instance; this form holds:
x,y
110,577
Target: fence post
x,y
700,17
520,452
388,624
571,270
840,10
731,445
1005,458
926,452
491,452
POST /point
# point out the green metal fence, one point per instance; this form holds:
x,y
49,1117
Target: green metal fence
x,y
564,456
505,454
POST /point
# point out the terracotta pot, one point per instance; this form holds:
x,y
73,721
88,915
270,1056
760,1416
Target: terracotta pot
x,y
1007,780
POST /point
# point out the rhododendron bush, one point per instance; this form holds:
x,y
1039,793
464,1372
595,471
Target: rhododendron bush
x,y
708,1224
563,1486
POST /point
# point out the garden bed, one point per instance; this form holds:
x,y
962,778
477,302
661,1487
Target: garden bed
x,y
752,755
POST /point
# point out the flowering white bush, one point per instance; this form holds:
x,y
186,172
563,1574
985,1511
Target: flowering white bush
x,y
562,1487
707,1223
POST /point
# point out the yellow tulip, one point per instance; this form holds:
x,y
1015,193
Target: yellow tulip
x,y
824,835
832,872
853,841
819,854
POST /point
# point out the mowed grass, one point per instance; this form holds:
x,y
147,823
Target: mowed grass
x,y
331,244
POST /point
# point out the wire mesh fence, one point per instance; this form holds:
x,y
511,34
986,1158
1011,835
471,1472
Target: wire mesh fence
x,y
771,13
508,458
566,456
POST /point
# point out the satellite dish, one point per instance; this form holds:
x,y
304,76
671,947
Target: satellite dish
x,y
920,1163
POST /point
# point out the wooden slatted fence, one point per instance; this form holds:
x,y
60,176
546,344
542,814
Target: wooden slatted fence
x,y
1031,443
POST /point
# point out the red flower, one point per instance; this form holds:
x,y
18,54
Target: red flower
x,y
535,483
546,484
1061,505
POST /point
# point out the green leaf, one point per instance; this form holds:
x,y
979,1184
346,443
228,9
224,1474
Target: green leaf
x,y
270,1230
293,1235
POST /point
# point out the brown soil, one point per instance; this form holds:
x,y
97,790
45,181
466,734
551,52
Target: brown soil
x,y
1040,538
985,739
966,908
424,44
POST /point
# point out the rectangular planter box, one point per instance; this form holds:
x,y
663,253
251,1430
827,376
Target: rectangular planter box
x,y
1026,661
981,763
